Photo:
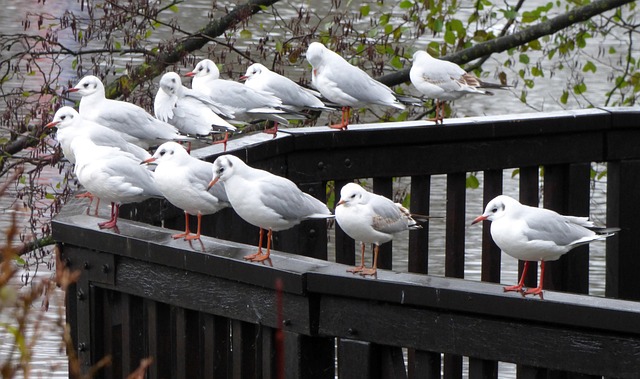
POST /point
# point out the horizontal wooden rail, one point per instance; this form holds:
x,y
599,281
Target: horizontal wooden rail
x,y
202,311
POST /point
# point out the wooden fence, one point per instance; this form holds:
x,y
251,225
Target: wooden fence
x,y
201,311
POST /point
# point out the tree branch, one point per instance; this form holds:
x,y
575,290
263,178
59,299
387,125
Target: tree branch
x,y
532,33
192,43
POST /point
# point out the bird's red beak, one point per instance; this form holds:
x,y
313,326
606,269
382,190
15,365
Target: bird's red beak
x,y
147,161
340,202
478,219
72,89
52,124
213,182
190,74
243,78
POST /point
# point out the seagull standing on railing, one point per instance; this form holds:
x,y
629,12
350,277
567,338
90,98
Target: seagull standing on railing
x,y
190,111
537,234
249,104
265,200
134,123
346,85
112,175
183,180
371,218
294,97
444,81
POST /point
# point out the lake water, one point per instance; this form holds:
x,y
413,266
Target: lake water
x,y
50,361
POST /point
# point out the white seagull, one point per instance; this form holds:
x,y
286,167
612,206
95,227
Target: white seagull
x,y
346,85
370,218
248,103
537,234
112,175
183,180
71,124
134,123
265,200
444,81
190,111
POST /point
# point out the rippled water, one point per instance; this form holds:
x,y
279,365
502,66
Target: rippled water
x,y
49,360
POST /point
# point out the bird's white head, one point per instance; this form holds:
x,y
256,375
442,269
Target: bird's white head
x,y
420,54
315,53
171,84
205,69
88,86
497,208
63,118
168,151
254,70
224,167
352,194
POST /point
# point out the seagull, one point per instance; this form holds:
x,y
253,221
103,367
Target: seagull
x,y
134,123
190,111
346,85
248,103
183,180
112,175
537,234
293,96
371,218
444,81
265,200
71,124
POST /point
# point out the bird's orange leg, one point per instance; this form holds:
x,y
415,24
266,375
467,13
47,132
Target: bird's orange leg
x,y
223,141
112,223
265,256
197,235
518,287
250,257
273,130
361,267
345,120
537,290
186,228
90,197
373,270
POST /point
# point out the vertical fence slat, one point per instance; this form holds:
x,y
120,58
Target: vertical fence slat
x,y
482,369
421,364
392,362
454,250
384,187
308,357
345,245
491,254
244,350
623,207
132,333
215,346
158,338
357,360
419,239
424,364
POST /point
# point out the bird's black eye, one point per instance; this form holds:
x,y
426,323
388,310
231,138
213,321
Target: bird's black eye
x,y
162,152
173,80
63,117
353,196
86,85
494,210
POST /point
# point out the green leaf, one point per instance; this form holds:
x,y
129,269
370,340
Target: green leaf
x,y
74,63
515,173
174,8
523,58
564,97
49,196
612,50
246,34
388,29
406,4
589,66
117,45
384,19
529,17
449,37
438,24
529,83
535,71
579,89
472,181
396,63
364,10
457,26
147,34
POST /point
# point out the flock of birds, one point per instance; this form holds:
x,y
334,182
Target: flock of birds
x,y
107,141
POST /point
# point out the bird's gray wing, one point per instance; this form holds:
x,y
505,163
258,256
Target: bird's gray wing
x,y
544,224
388,218
287,200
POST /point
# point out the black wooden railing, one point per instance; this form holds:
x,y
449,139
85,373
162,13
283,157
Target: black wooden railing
x,y
201,311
